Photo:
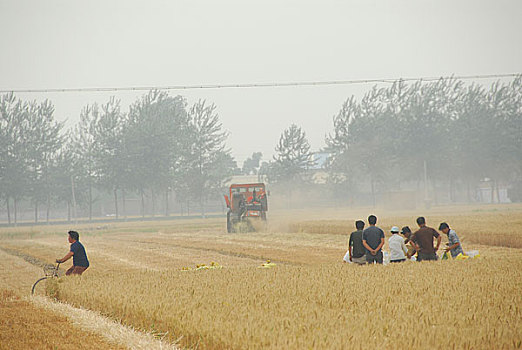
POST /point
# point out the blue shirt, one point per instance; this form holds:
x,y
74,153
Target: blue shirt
x,y
79,257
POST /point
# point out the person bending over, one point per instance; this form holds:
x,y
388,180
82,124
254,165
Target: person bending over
x,y
454,246
77,251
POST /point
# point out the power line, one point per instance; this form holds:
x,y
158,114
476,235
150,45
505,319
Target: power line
x,y
255,85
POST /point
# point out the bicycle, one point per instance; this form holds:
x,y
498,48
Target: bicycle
x,y
50,272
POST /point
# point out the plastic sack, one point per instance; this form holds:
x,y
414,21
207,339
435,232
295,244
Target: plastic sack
x,y
347,257
473,253
267,265
462,257
386,258
445,256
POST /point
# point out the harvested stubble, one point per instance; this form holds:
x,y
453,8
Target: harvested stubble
x,y
24,326
472,304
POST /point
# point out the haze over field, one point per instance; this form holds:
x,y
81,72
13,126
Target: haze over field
x,y
260,175
63,44
88,152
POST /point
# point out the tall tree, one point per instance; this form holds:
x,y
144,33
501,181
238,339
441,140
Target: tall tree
x,y
14,175
293,156
251,164
44,141
155,139
210,161
110,162
84,153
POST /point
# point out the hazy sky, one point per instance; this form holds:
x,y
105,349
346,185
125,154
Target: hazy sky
x,y
67,44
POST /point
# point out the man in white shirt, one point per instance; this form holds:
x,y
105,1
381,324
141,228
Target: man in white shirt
x,y
398,249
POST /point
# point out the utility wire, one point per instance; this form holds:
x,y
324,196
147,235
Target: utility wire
x,y
255,85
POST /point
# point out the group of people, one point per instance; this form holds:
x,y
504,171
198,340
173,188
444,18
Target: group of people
x,y
365,245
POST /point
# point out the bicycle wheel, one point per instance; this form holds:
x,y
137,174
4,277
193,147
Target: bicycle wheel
x,y
39,287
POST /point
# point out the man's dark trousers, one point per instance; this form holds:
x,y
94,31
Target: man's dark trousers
x,y
377,258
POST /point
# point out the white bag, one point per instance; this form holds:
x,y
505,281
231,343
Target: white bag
x,y
472,253
347,257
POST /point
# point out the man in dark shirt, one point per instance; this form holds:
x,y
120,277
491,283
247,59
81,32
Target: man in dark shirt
x,y
373,240
423,240
355,245
80,261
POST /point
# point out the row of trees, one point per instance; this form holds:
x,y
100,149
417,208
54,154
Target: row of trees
x,y
161,147
459,133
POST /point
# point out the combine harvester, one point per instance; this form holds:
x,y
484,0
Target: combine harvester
x,y
247,206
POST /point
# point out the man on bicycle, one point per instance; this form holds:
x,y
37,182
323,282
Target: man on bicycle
x,y
80,261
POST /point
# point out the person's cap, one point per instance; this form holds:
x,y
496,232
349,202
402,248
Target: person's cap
x,y
394,229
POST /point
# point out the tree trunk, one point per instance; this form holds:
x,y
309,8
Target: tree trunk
x,y
435,196
373,190
7,204
492,191
48,208
202,205
123,204
15,202
68,211
90,200
425,181
142,203
188,208
167,202
153,198
75,212
116,202
497,190
36,211
451,190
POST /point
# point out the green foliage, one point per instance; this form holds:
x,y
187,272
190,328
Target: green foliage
x,y
292,159
461,132
158,146
208,161
251,164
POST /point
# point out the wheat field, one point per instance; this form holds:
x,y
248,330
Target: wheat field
x,y
144,275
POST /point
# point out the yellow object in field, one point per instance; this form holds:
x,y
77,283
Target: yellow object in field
x,y
461,257
267,265
215,265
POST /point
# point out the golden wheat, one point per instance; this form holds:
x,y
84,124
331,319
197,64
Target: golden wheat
x,y
147,276
448,304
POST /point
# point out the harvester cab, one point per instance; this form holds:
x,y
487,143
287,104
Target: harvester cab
x,y
247,206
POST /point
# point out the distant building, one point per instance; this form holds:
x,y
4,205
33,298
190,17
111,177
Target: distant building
x,y
320,159
318,169
488,193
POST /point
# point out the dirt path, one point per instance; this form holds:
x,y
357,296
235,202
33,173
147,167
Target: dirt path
x,y
39,323
103,327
